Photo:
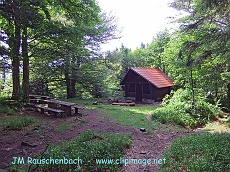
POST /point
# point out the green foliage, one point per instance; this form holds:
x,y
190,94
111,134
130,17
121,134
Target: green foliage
x,y
177,114
199,152
89,146
5,87
202,44
17,122
179,110
228,122
8,106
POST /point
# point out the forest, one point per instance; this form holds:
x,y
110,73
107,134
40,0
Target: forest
x,y
49,53
53,48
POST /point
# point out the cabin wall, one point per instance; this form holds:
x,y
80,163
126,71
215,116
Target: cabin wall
x,y
160,92
155,94
132,95
133,81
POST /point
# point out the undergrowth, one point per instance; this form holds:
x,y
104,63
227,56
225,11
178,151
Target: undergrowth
x,y
199,152
88,147
8,106
179,109
17,122
228,122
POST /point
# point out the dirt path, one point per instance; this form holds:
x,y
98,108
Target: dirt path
x,y
144,146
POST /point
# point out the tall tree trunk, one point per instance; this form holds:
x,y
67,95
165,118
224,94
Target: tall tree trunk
x,y
71,90
25,80
15,47
216,81
4,74
228,94
192,88
70,79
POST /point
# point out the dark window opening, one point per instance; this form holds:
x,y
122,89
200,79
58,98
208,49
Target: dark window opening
x,y
132,87
146,89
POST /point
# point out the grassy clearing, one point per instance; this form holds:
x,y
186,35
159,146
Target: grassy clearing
x,y
135,116
89,146
199,152
17,122
130,116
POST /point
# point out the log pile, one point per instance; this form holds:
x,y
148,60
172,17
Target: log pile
x,y
124,104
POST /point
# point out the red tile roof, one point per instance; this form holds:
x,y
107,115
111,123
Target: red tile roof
x,y
154,76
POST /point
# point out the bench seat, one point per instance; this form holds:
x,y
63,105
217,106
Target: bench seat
x,y
50,110
34,101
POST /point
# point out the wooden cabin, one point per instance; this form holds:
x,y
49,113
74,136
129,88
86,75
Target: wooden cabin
x,y
146,84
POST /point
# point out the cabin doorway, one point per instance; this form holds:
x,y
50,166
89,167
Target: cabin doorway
x,y
138,92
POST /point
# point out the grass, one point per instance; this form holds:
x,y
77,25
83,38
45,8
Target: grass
x,y
227,123
6,110
134,116
199,152
63,127
16,122
216,126
88,147
130,116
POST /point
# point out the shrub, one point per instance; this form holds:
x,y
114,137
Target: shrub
x,y
199,152
8,106
205,112
178,109
176,114
228,122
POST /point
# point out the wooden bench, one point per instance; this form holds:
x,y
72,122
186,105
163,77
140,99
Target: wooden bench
x,y
56,104
32,96
76,108
45,97
35,101
50,110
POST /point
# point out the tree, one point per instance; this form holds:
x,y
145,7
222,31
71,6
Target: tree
x,y
69,31
17,17
10,27
156,48
207,24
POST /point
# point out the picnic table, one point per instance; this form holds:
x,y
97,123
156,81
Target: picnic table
x,y
65,106
54,106
33,96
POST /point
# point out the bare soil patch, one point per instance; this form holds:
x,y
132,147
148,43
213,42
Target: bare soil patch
x,y
144,146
